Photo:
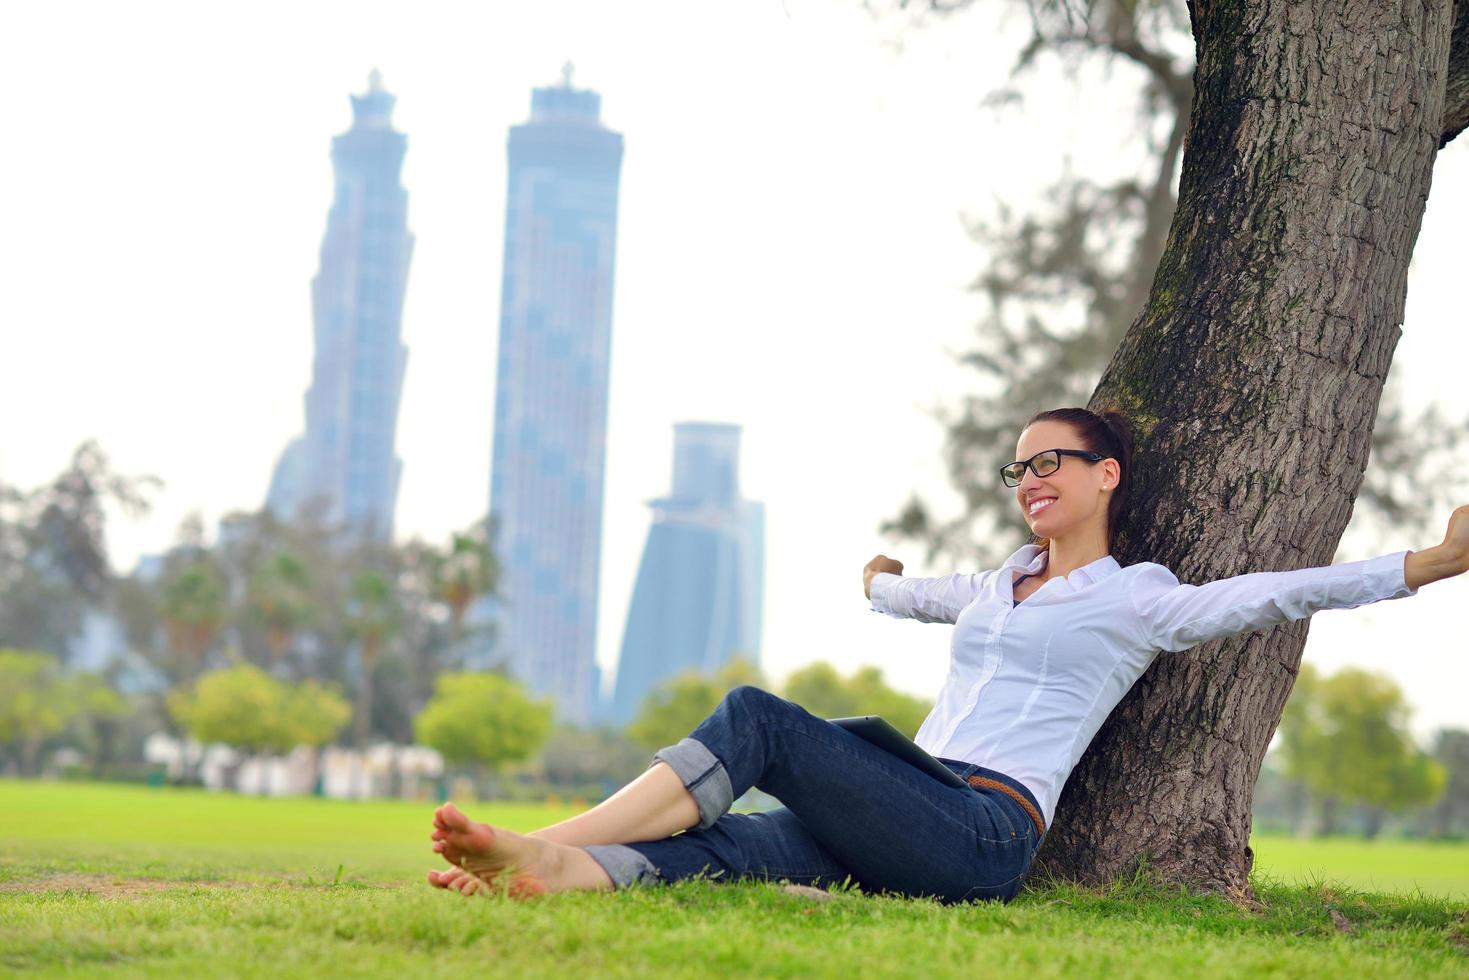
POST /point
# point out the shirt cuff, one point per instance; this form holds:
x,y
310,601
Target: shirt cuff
x,y
882,583
1386,576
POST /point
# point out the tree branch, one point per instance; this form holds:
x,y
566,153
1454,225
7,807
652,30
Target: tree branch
x,y
1456,95
1179,85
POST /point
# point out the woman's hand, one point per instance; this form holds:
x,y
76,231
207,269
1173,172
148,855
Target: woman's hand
x,y
1457,537
1443,560
882,563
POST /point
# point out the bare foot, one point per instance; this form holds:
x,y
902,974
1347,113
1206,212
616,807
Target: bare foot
x,y
458,880
520,866
440,835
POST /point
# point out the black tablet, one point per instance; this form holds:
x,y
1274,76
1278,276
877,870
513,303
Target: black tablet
x,y
874,729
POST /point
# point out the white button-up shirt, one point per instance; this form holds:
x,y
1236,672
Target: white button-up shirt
x,y
1030,684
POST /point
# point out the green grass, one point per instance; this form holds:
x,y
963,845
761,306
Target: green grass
x,y
1373,866
131,881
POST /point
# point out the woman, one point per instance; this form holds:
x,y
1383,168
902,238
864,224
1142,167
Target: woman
x,y
1042,650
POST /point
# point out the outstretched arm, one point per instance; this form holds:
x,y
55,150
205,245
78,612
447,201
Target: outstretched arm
x,y
1175,617
928,600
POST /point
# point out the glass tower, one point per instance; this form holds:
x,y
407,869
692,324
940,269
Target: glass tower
x,y
698,601
551,394
346,458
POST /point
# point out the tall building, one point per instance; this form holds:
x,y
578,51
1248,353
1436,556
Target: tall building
x,y
551,393
346,459
699,597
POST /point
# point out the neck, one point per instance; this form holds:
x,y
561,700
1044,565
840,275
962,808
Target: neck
x,y
1072,551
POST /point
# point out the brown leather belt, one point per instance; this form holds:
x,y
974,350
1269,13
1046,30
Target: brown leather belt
x,y
983,782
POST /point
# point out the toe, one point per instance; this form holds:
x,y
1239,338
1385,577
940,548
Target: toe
x,y
451,818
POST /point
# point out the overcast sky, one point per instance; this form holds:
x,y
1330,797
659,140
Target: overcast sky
x,y
791,258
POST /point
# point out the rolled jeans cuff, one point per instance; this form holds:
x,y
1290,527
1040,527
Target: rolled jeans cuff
x,y
703,776
623,865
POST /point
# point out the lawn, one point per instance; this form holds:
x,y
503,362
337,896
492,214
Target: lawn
x,y
130,881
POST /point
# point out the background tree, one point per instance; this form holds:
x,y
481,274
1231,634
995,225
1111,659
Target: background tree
x,y
1253,374
279,598
674,708
305,598
38,700
483,721
1064,280
1451,751
194,605
589,762
30,706
825,693
289,584
53,548
1298,738
1365,754
244,707
372,620
1346,738
311,713
97,721
235,706
466,573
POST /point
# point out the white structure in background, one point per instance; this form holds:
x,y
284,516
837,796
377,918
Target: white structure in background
x,y
403,771
382,771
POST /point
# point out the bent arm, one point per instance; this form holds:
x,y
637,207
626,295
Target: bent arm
x,y
1430,565
1444,560
1175,617
928,600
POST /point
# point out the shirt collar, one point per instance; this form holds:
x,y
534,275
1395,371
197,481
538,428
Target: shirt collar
x,y
1032,558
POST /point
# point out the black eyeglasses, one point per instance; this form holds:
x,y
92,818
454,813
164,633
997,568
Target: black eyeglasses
x,y
1043,464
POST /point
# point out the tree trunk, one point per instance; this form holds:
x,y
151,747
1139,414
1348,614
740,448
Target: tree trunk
x,y
1298,806
362,726
30,755
1443,818
231,772
1328,823
1253,377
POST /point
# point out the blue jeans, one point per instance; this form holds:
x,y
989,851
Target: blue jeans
x,y
851,811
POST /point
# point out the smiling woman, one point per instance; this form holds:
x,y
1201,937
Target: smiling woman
x,y
1043,648
1095,496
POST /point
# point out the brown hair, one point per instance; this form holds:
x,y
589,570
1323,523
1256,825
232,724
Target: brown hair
x,y
1109,434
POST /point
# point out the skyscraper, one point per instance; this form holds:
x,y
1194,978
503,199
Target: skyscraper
x,y
699,597
551,393
346,458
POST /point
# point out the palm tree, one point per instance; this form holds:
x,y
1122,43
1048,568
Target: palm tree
x,y
372,620
194,604
467,572
279,597
194,607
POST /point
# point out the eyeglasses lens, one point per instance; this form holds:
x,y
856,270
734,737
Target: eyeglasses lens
x,y
1043,464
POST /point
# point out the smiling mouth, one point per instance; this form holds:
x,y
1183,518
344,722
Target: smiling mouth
x,y
1039,505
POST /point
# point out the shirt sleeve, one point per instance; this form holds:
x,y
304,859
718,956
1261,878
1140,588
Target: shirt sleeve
x,y
928,600
1175,617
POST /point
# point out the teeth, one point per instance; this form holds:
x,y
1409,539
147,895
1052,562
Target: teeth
x,y
1042,504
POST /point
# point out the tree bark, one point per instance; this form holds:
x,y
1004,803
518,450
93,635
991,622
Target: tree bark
x,y
1456,91
1253,377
